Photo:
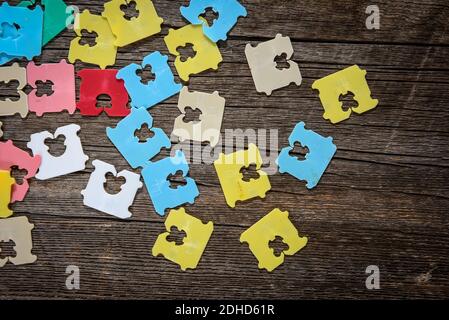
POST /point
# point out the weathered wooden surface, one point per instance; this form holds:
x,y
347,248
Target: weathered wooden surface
x,y
383,200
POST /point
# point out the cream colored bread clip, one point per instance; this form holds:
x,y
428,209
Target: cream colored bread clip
x,y
261,59
18,229
208,127
20,106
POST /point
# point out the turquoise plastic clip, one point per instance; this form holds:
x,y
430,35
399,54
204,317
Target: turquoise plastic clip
x,y
150,94
162,195
57,16
27,42
136,153
7,31
321,151
229,11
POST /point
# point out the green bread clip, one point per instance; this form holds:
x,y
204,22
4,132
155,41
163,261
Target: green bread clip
x,y
57,16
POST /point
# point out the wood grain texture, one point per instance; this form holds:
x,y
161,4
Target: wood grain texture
x,y
383,200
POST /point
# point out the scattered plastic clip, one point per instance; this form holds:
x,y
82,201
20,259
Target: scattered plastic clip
x,y
150,94
275,224
18,230
229,169
9,107
209,127
207,55
57,16
27,42
197,236
162,195
11,156
95,83
6,183
62,75
228,13
138,154
104,52
97,198
321,151
4,58
72,160
8,31
261,60
148,23
350,80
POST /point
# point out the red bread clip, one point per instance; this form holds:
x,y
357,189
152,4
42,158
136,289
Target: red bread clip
x,y
94,83
11,156
62,75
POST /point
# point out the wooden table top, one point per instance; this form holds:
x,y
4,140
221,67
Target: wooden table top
x,y
383,200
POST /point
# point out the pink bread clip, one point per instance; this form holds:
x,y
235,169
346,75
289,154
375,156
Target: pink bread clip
x,y
11,156
62,75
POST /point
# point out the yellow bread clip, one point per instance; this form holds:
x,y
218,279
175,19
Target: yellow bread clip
x,y
352,80
229,168
188,254
275,224
104,52
145,25
6,183
207,55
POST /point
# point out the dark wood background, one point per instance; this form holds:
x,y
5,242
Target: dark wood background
x,y
383,200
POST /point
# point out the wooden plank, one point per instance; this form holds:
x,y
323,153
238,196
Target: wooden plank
x,y
423,22
114,265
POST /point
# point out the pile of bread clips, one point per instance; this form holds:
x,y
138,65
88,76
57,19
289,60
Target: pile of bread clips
x,y
132,99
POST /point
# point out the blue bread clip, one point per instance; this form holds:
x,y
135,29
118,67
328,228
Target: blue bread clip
x,y
228,10
136,153
28,40
162,195
4,58
148,95
321,151
7,31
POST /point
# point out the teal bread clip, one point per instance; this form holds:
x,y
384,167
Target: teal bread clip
x,y
228,10
150,94
321,151
162,195
7,30
26,42
57,17
137,154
